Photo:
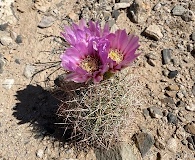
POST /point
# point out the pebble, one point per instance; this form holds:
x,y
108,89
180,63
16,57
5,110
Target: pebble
x,y
46,21
190,107
3,27
193,90
17,61
115,14
181,104
188,16
151,56
18,39
6,40
172,74
172,145
192,6
173,87
40,153
190,128
172,118
140,11
157,6
155,112
166,56
7,84
121,5
153,31
178,10
193,36
146,112
180,95
29,71
159,144
2,64
144,142
151,62
191,142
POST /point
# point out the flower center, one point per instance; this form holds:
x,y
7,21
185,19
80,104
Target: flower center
x,y
115,55
89,64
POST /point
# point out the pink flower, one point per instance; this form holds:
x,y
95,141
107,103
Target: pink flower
x,y
86,62
122,50
83,33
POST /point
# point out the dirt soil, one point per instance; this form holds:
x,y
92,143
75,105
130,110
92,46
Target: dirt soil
x,y
30,66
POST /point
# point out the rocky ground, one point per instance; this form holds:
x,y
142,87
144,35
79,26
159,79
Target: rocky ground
x,y
30,45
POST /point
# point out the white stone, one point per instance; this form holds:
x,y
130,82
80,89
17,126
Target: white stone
x,y
40,153
121,5
7,84
6,40
190,107
154,32
29,71
172,145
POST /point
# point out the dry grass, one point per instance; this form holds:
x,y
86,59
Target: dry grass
x,y
96,114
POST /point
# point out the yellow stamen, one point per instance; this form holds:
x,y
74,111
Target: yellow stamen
x,y
115,55
89,64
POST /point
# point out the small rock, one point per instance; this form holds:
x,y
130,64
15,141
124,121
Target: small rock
x,y
146,112
2,64
40,153
115,14
190,128
173,87
191,142
6,40
193,90
157,6
181,104
121,5
159,144
180,95
192,73
172,74
190,47
165,72
107,15
193,36
17,61
192,6
153,31
144,142
18,39
151,56
151,62
155,112
178,10
140,11
188,16
168,100
29,71
190,146
172,118
171,93
7,84
172,145
46,22
166,56
190,107
3,27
